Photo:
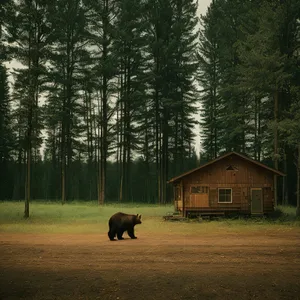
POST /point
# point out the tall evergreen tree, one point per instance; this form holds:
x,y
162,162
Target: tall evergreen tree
x,y
184,95
29,32
234,103
6,134
289,128
265,67
6,137
172,46
130,49
67,55
209,80
102,26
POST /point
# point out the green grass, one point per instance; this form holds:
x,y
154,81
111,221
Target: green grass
x,y
80,217
75,217
288,210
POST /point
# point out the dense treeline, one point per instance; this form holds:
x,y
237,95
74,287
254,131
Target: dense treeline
x,y
101,105
249,71
104,103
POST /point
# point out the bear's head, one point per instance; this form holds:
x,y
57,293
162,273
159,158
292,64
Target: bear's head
x,y
138,219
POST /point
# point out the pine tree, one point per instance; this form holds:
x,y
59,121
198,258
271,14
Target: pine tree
x,y
130,47
102,26
6,137
67,56
184,95
28,31
264,66
234,103
172,53
289,128
52,115
209,80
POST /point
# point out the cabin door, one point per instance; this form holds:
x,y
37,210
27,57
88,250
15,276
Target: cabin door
x,y
256,201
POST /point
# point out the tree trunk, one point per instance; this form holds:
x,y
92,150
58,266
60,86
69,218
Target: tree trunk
x,y
164,164
298,183
29,130
28,156
98,147
104,119
157,132
120,137
176,146
146,153
259,130
63,152
284,181
27,183
275,146
63,179
90,148
255,128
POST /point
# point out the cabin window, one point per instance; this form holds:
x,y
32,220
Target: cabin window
x,y
225,195
199,189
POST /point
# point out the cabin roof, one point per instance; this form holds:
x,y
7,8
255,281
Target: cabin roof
x,y
222,157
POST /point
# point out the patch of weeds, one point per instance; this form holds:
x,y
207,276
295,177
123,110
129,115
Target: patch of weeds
x,y
282,215
277,214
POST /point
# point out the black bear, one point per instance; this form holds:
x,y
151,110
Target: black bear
x,y
120,222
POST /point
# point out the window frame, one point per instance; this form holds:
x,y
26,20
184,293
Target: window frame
x,y
226,202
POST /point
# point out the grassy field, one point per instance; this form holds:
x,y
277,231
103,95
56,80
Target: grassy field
x,y
49,217
76,217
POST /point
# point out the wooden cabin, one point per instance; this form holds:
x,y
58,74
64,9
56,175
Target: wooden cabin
x,y
231,183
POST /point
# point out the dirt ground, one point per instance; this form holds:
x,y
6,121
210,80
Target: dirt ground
x,y
227,266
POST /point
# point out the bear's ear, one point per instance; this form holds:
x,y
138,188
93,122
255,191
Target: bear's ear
x,y
140,216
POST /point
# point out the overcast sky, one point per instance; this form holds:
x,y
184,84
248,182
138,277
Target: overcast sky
x,y
202,5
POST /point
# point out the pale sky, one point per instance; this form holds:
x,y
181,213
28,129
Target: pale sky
x,y
202,5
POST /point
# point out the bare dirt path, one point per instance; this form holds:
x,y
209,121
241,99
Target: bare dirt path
x,y
227,266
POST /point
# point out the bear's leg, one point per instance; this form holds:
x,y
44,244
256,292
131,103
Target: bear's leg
x,y
131,233
112,234
119,234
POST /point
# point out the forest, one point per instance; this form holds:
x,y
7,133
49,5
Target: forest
x,y
108,100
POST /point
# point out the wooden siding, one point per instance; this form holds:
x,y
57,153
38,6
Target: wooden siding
x,y
229,154
247,174
268,199
178,205
236,198
196,200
